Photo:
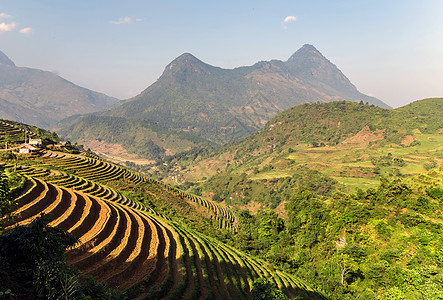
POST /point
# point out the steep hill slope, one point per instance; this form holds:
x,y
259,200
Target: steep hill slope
x,y
224,104
136,233
104,134
42,98
354,143
378,243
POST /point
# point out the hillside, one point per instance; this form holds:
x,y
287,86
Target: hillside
x,y
105,135
42,98
354,143
223,105
378,243
136,234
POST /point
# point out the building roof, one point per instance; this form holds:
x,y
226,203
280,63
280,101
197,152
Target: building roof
x,y
27,146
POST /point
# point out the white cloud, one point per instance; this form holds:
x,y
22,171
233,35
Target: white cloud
x,y
26,30
7,26
289,19
125,20
4,16
139,19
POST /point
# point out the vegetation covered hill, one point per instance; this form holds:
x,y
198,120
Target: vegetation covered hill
x,y
344,196
354,143
138,136
42,98
222,105
13,134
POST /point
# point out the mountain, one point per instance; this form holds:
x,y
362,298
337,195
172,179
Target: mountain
x,y
43,98
4,60
311,66
219,104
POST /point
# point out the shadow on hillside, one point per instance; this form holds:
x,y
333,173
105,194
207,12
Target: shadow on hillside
x,y
160,281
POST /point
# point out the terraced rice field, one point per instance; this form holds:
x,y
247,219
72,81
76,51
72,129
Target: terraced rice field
x,y
96,170
9,132
133,249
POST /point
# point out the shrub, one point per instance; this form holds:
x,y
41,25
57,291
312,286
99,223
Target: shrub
x,y
435,193
263,289
33,256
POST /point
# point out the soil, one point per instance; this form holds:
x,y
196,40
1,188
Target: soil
x,y
280,210
364,136
408,140
252,207
114,152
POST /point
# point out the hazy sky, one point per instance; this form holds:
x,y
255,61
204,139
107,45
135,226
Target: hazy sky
x,y
392,50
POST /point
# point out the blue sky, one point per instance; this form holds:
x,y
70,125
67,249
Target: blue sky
x,y
389,49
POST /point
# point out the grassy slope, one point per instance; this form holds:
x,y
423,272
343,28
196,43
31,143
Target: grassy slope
x,y
354,139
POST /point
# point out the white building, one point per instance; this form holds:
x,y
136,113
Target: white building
x,y
26,149
35,142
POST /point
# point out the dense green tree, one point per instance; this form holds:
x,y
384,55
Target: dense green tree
x,y
33,266
32,261
271,224
6,197
263,289
4,193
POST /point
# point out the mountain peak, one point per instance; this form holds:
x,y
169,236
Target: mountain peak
x,y
187,63
187,56
308,48
4,59
308,63
306,52
187,59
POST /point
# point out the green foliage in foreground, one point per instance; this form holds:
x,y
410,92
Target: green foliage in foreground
x,y
379,243
10,185
32,265
33,260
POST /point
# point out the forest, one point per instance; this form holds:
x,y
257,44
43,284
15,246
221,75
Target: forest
x,y
380,243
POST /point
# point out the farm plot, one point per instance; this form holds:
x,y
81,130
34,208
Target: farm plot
x,y
152,258
11,133
94,169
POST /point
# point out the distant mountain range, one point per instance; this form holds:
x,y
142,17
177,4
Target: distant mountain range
x,y
208,101
42,98
222,105
217,105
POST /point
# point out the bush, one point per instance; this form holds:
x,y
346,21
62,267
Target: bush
x,y
263,289
33,258
435,193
